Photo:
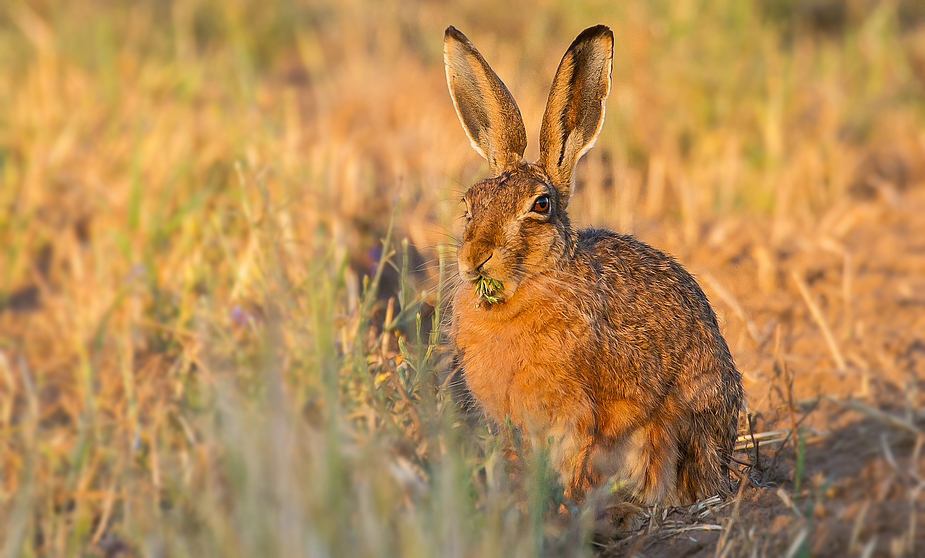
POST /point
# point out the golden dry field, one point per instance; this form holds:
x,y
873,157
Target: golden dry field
x,y
227,231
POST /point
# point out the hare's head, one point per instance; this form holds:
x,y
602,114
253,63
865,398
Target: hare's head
x,y
516,222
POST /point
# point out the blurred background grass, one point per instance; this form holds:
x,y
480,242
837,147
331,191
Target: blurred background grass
x,y
198,355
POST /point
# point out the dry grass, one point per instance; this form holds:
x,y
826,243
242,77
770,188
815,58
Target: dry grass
x,y
214,342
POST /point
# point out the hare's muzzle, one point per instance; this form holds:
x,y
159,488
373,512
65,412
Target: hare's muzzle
x,y
475,268
474,261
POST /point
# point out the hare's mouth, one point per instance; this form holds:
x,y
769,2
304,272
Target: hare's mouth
x,y
488,289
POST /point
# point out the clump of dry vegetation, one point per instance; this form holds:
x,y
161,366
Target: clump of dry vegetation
x,y
227,228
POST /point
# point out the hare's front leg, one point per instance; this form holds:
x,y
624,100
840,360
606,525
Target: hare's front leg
x,y
569,445
577,471
653,464
641,458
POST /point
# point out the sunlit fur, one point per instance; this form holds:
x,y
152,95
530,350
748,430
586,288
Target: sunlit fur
x,y
598,343
602,342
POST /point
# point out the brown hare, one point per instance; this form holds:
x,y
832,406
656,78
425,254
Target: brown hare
x,y
589,339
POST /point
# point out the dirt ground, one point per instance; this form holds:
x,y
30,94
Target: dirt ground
x,y
856,397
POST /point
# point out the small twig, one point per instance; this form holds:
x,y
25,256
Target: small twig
x,y
890,458
689,528
785,498
763,436
733,303
104,524
913,463
913,517
877,414
820,321
713,509
399,386
797,543
784,444
704,504
765,442
721,548
384,336
793,424
740,462
869,547
858,523
836,248
751,431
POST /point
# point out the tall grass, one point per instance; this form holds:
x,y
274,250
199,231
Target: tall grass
x,y
201,212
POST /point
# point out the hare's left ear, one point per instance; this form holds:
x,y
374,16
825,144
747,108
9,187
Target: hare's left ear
x,y
575,109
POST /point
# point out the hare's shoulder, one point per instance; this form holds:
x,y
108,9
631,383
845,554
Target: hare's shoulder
x,y
624,251
625,262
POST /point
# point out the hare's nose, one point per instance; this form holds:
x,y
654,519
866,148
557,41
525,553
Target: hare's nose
x,y
479,267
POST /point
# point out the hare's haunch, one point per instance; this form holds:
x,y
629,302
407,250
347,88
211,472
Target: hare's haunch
x,y
591,339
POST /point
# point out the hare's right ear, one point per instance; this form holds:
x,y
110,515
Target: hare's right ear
x,y
485,107
575,109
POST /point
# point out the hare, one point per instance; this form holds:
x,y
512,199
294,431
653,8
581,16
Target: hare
x,y
590,338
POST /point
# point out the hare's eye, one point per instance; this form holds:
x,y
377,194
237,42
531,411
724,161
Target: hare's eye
x,y
541,205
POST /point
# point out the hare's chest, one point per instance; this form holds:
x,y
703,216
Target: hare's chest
x,y
491,360
517,371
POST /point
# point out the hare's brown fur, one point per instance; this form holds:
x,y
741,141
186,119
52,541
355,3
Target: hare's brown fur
x,y
597,341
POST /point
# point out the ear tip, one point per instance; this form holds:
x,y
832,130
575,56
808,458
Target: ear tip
x,y
596,32
452,32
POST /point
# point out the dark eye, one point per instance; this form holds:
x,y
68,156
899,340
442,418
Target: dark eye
x,y
541,205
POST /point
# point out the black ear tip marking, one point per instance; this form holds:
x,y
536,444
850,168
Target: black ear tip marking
x,y
455,33
596,32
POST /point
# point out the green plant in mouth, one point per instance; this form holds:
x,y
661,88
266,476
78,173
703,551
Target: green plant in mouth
x,y
487,288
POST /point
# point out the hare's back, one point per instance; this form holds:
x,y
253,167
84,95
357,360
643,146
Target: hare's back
x,y
657,312
645,289
635,269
